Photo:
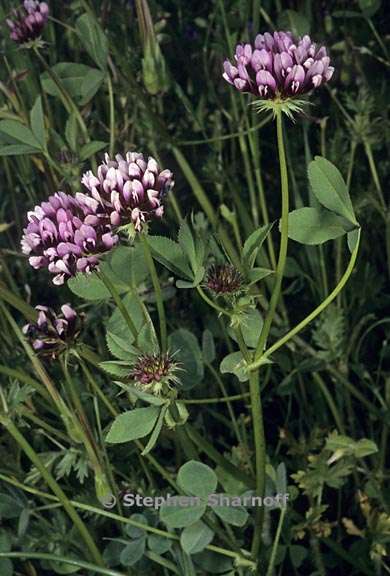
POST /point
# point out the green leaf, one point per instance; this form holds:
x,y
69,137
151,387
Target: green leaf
x,y
234,363
145,396
196,537
6,567
187,244
90,85
80,81
200,272
294,21
369,7
93,39
37,121
89,287
251,324
71,131
117,324
17,150
330,189
133,424
133,531
133,552
234,515
120,347
281,479
188,354
365,447
91,148
352,238
314,225
5,541
197,479
180,516
120,369
9,507
159,544
170,255
128,265
208,347
213,563
19,132
297,554
257,274
254,242
156,431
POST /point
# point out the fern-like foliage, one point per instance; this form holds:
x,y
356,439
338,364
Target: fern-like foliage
x,y
329,333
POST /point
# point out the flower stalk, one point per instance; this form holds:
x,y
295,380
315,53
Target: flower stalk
x,y
158,292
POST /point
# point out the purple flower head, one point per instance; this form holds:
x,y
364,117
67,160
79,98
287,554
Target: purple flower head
x,y
278,66
66,236
155,373
29,21
129,190
51,333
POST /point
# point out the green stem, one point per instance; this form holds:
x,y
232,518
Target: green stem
x,y
260,456
271,565
331,403
378,38
216,400
63,560
158,292
51,482
315,312
283,240
118,301
112,114
374,172
227,400
211,303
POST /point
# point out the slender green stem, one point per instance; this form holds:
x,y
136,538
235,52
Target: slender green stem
x,y
118,301
331,403
112,114
375,176
158,292
283,240
265,121
225,395
271,565
198,190
216,400
378,38
51,482
260,456
211,303
62,560
314,313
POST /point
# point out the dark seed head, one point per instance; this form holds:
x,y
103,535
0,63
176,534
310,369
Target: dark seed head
x,y
224,279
